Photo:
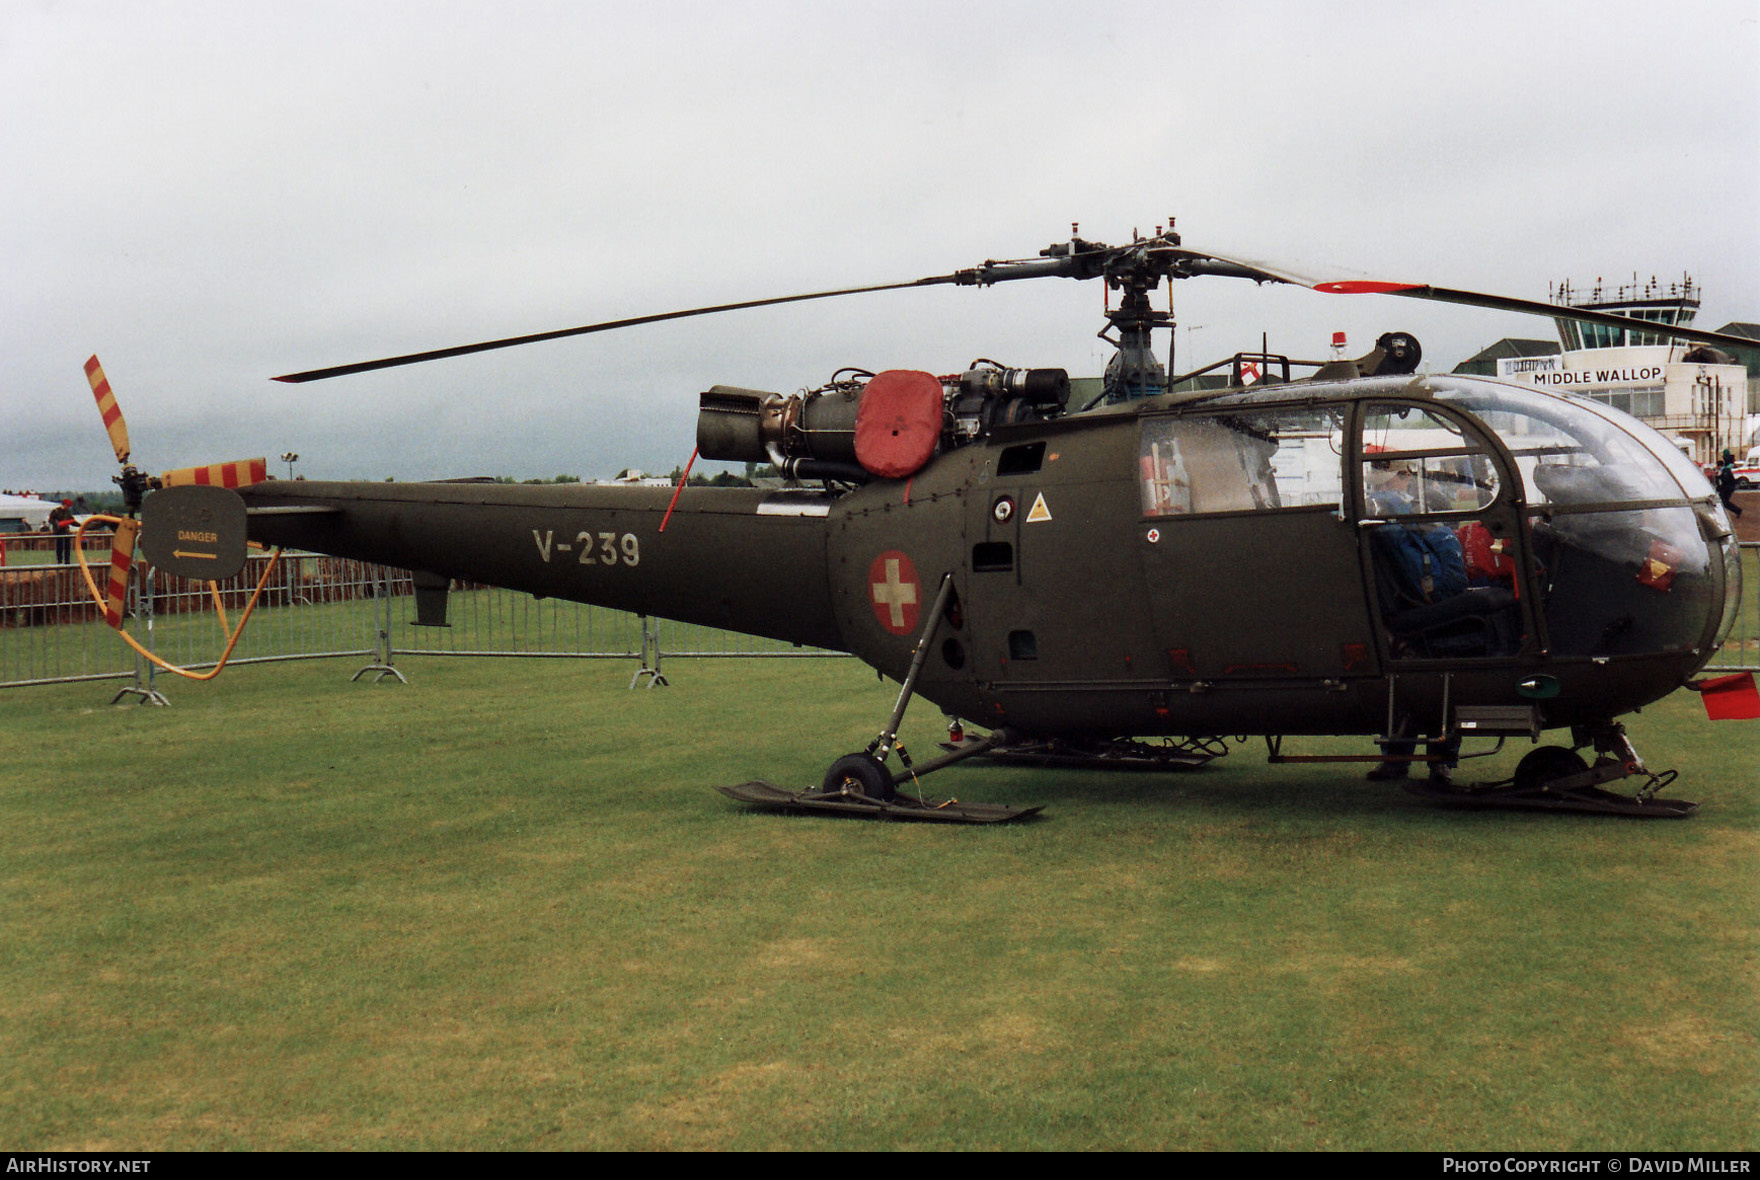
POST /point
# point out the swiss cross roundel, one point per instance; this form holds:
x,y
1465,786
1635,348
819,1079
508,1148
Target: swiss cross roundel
x,y
895,592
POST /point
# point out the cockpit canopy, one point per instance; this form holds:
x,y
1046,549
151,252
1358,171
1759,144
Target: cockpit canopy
x,y
1625,546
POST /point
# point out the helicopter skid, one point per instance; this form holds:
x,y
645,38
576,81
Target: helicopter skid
x,y
1121,754
900,807
1555,796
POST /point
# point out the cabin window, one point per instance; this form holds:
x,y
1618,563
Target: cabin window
x,y
1022,645
1242,462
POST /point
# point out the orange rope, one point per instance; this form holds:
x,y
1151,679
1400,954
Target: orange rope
x,y
232,635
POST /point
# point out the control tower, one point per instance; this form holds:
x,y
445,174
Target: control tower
x,y
1664,303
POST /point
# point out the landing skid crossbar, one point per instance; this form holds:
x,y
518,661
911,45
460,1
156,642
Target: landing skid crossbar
x,y
900,807
1562,795
1117,754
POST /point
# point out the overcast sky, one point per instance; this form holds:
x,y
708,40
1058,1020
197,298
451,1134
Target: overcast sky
x,y
208,195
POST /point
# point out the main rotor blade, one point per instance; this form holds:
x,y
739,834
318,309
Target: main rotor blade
x,y
1162,256
416,358
1216,264
1534,307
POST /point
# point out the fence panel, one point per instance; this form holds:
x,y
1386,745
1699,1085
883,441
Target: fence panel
x,y
314,606
50,630
694,640
489,621
1741,651
311,606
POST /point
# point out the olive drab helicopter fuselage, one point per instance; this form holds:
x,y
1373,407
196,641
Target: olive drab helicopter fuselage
x,y
1392,555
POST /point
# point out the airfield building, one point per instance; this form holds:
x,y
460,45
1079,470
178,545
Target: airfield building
x,y
1689,393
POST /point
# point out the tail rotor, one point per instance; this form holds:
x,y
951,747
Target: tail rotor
x,y
136,486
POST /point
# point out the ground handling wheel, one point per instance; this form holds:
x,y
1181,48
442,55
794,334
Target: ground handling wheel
x,y
1547,765
859,774
1553,778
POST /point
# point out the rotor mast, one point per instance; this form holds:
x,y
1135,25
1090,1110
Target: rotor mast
x,y
1135,372
1133,271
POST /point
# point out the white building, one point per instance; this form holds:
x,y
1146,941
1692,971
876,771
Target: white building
x,y
1682,390
24,514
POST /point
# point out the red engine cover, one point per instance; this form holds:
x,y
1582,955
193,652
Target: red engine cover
x,y
898,423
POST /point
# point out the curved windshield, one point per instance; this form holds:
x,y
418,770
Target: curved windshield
x,y
1619,546
1568,451
1685,471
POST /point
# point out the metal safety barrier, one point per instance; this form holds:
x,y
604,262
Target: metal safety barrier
x,y
1741,651
51,631
314,607
490,621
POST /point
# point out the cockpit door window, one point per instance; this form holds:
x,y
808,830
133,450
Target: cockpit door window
x,y
1419,463
1439,545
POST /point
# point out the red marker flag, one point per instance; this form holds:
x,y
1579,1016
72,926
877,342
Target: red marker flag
x,y
1731,698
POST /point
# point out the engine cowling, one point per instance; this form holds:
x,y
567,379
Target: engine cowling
x,y
886,427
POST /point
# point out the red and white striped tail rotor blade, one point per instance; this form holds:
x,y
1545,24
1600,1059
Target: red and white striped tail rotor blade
x,y
121,558
108,409
238,474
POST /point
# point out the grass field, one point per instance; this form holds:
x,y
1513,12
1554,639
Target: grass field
x,y
500,907
97,554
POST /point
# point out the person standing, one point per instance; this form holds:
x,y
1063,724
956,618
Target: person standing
x,y
1726,481
61,524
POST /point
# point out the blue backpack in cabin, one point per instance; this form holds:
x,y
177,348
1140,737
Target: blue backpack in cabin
x,y
1425,561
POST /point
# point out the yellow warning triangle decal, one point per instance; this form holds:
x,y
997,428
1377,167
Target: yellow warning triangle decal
x,y
1039,511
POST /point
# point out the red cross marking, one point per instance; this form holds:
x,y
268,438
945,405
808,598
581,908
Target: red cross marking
x,y
896,592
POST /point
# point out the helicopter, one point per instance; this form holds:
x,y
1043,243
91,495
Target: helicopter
x,y
1360,549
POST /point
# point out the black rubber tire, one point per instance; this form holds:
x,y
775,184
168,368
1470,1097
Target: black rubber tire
x,y
861,773
1548,764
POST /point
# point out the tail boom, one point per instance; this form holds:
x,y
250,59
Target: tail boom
x,y
725,559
